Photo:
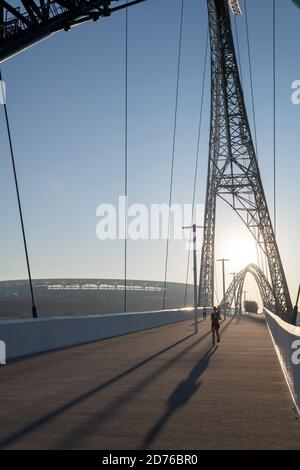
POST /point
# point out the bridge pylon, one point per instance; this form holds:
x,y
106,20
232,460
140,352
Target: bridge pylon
x,y
26,22
233,172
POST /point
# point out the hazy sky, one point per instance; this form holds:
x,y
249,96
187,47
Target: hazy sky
x,y
66,105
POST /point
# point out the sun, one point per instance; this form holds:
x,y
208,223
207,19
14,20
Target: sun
x,y
241,252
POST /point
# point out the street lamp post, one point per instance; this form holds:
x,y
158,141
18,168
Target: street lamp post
x,y
245,299
234,288
223,261
194,228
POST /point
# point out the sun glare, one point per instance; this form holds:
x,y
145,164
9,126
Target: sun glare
x,y
241,252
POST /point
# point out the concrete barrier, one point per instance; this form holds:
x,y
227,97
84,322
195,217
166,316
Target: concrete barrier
x,y
2,352
23,337
286,340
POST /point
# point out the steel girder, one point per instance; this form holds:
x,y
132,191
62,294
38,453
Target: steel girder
x,y
33,20
233,172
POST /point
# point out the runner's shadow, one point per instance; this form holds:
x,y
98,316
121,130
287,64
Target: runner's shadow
x,y
181,395
99,417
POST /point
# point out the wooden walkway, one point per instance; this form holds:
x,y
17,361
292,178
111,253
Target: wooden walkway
x,y
159,389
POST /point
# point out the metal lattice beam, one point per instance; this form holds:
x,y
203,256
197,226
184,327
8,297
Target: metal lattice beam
x,y
233,173
236,288
33,20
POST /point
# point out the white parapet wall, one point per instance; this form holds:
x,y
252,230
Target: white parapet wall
x,y
286,340
23,337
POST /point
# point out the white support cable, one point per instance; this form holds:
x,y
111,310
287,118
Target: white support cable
x,y
173,148
197,154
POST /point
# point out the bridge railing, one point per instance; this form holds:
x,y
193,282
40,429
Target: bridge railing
x,y
24,337
286,339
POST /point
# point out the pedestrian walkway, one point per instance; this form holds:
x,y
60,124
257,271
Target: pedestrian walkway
x,y
164,388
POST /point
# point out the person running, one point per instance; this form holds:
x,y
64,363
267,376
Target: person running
x,y
215,324
204,313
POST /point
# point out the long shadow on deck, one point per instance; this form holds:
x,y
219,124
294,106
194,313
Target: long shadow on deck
x,y
98,418
181,395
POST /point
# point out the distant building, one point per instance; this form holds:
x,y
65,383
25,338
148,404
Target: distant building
x,y
57,297
251,306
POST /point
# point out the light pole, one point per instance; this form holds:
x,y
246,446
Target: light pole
x,y
223,261
245,299
234,288
194,228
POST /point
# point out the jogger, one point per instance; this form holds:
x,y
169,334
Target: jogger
x,y
215,324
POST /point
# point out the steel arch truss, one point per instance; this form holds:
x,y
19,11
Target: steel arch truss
x,y
30,21
233,172
234,293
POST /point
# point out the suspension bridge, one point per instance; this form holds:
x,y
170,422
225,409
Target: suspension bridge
x,y
153,379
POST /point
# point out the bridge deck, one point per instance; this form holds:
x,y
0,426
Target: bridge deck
x,y
162,388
